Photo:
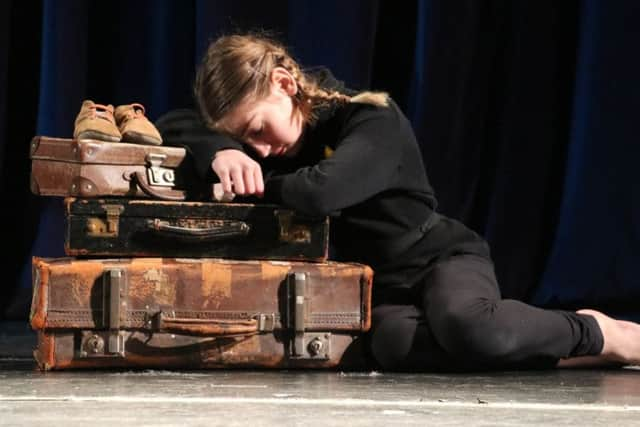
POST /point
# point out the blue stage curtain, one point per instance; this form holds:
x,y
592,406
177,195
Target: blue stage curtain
x,y
524,112
490,102
63,79
596,249
20,47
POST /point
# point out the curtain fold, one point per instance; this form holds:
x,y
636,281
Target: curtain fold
x,y
20,45
490,101
596,249
524,112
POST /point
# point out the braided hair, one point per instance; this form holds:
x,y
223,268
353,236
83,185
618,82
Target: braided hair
x,y
237,67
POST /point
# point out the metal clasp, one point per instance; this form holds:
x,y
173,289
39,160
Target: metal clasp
x,y
156,174
305,345
266,322
289,231
98,227
114,310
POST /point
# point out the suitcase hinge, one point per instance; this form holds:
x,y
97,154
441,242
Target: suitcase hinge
x,y
289,231
156,174
114,308
98,227
305,345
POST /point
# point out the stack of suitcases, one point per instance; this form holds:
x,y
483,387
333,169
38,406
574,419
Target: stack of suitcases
x,y
156,279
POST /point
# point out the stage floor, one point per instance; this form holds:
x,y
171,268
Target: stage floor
x,y
257,398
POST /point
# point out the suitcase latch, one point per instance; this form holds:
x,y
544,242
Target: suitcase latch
x,y
305,345
156,174
98,227
109,343
291,232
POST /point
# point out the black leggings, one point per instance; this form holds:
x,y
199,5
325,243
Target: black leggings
x,y
460,322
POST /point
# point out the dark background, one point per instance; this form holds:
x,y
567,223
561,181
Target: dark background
x,y
526,111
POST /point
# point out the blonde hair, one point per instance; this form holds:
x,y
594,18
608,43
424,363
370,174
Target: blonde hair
x,y
237,67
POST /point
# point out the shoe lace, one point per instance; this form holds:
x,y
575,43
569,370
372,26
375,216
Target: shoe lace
x,y
101,111
135,112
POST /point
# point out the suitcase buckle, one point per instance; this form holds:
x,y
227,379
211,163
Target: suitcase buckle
x,y
98,227
109,343
101,344
290,232
156,174
305,345
266,322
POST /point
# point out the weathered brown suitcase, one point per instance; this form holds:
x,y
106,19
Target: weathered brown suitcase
x,y
124,228
205,313
90,168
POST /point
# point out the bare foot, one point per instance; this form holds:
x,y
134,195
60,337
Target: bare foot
x,y
621,343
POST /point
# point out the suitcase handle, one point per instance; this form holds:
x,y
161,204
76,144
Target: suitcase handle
x,y
141,181
227,230
207,327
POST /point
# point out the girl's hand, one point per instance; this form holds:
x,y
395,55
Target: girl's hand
x,y
238,173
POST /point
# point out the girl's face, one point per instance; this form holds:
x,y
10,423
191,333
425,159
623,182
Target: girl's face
x,y
271,125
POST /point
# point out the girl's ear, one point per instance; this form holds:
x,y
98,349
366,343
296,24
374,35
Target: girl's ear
x,y
282,79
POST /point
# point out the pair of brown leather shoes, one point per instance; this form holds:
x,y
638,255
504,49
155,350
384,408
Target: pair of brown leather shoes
x,y
126,123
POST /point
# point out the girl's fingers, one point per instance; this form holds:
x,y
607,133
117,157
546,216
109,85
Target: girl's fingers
x,y
225,180
238,181
259,180
249,181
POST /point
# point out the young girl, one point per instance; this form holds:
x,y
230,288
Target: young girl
x,y
302,140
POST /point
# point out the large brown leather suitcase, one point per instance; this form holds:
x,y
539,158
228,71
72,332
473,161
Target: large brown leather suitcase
x,y
199,313
125,228
90,168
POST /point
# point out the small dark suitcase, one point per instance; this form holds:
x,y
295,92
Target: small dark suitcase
x,y
199,313
89,168
126,228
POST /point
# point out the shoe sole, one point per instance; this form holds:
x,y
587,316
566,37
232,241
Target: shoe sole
x,y
92,134
140,138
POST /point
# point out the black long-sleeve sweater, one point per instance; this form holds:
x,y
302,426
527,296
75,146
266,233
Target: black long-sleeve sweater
x,y
373,184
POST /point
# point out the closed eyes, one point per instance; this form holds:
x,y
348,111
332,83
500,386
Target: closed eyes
x,y
257,132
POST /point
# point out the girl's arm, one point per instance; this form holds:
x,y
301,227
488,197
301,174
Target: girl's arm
x,y
366,161
183,127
